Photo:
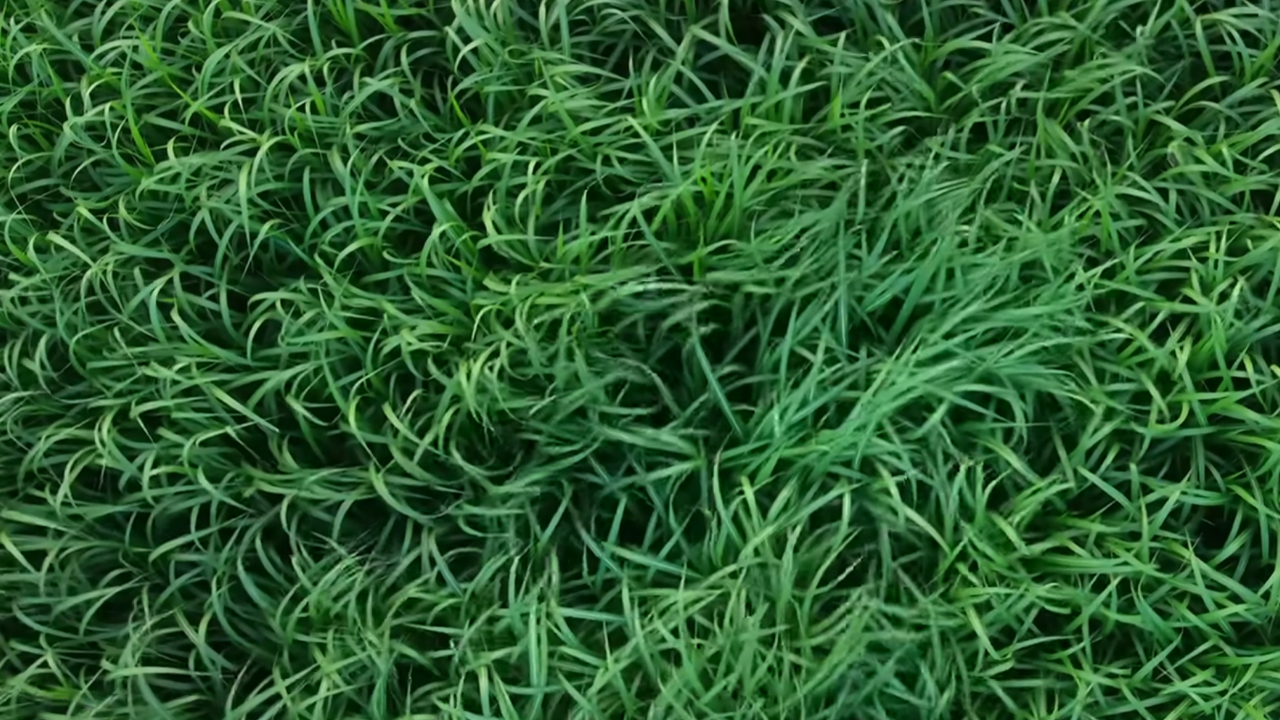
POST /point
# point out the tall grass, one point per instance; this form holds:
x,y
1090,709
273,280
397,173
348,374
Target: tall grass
x,y
663,359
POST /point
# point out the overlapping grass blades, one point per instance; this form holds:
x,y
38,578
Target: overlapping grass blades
x,y
639,359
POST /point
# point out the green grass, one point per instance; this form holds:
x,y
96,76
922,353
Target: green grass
x,y
653,359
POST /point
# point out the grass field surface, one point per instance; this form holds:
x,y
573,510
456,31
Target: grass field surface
x,y
652,359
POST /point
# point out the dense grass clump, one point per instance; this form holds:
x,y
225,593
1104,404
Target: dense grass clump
x,y
662,359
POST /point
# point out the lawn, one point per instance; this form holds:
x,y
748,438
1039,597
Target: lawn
x,y
639,360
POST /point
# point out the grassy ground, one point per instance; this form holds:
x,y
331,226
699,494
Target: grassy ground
x,y
664,359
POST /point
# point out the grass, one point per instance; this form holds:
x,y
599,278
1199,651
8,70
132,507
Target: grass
x,y
665,359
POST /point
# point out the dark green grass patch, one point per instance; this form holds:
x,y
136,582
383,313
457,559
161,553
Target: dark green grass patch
x,y
411,360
